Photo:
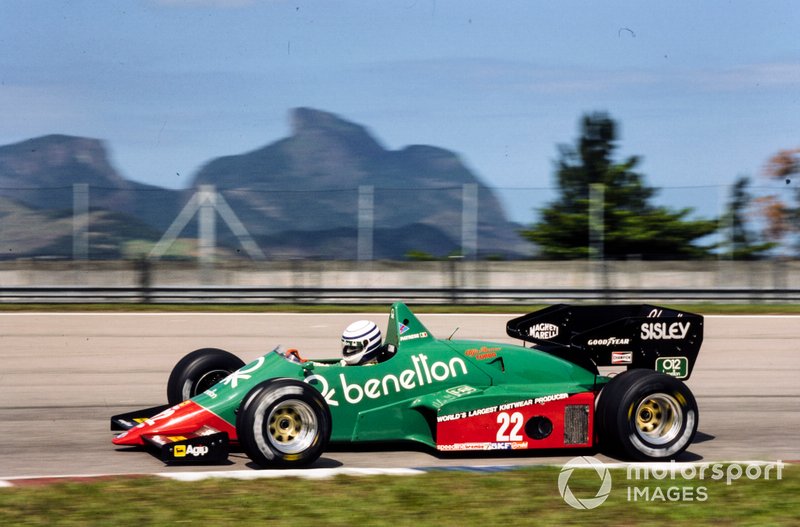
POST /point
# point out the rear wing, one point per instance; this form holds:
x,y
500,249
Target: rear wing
x,y
636,336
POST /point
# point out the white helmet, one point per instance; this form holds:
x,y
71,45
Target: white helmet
x,y
361,342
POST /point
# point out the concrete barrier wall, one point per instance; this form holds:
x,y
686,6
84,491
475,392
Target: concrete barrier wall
x,y
766,275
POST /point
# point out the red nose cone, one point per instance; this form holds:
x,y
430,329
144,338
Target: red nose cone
x,y
181,419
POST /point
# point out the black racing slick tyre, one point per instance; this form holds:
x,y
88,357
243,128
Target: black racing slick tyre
x,y
198,371
283,423
646,416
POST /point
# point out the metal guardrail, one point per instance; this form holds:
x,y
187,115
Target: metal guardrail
x,y
291,295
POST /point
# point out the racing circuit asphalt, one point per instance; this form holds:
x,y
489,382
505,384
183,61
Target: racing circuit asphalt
x,y
63,375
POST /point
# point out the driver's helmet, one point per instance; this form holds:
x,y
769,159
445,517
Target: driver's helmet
x,y
361,342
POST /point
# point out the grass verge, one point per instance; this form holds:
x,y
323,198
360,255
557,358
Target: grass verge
x,y
519,497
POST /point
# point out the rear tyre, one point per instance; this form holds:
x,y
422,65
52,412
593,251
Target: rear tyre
x,y
646,416
198,371
283,423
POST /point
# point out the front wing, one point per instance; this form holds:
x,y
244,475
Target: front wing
x,y
205,445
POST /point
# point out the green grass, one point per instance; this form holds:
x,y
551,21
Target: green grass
x,y
519,497
705,308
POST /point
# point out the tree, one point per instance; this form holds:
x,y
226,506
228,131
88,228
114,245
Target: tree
x,y
782,218
784,164
740,241
631,225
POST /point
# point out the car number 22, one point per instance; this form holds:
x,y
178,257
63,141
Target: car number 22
x,y
510,425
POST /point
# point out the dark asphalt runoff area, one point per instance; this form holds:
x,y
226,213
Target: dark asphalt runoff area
x,y
62,375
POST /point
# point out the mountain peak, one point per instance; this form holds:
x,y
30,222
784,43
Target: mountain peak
x,y
59,160
56,149
317,125
309,119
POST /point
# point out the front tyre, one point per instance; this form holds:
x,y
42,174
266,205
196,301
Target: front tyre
x,y
198,371
646,416
283,423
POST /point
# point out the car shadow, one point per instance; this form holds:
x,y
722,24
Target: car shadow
x,y
322,462
686,456
701,437
472,454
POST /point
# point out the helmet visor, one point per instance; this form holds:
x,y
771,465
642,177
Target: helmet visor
x,y
351,347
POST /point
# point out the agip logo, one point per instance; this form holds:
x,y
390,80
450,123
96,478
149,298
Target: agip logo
x,y
189,450
604,478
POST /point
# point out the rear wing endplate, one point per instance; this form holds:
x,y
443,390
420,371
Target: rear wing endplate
x,y
636,336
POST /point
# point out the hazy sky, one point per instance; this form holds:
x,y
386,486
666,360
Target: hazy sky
x,y
704,90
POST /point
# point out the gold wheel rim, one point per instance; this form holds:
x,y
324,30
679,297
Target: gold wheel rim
x,y
291,426
659,418
284,426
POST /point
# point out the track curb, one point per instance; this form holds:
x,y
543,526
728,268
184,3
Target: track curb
x,y
328,473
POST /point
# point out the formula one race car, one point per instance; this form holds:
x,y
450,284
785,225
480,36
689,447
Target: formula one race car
x,y
451,395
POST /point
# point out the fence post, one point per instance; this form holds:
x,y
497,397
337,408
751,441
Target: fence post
x,y
143,271
597,204
469,221
366,221
455,282
207,224
80,221
597,221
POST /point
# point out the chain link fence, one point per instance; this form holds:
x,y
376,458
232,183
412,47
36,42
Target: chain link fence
x,y
210,225
449,244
